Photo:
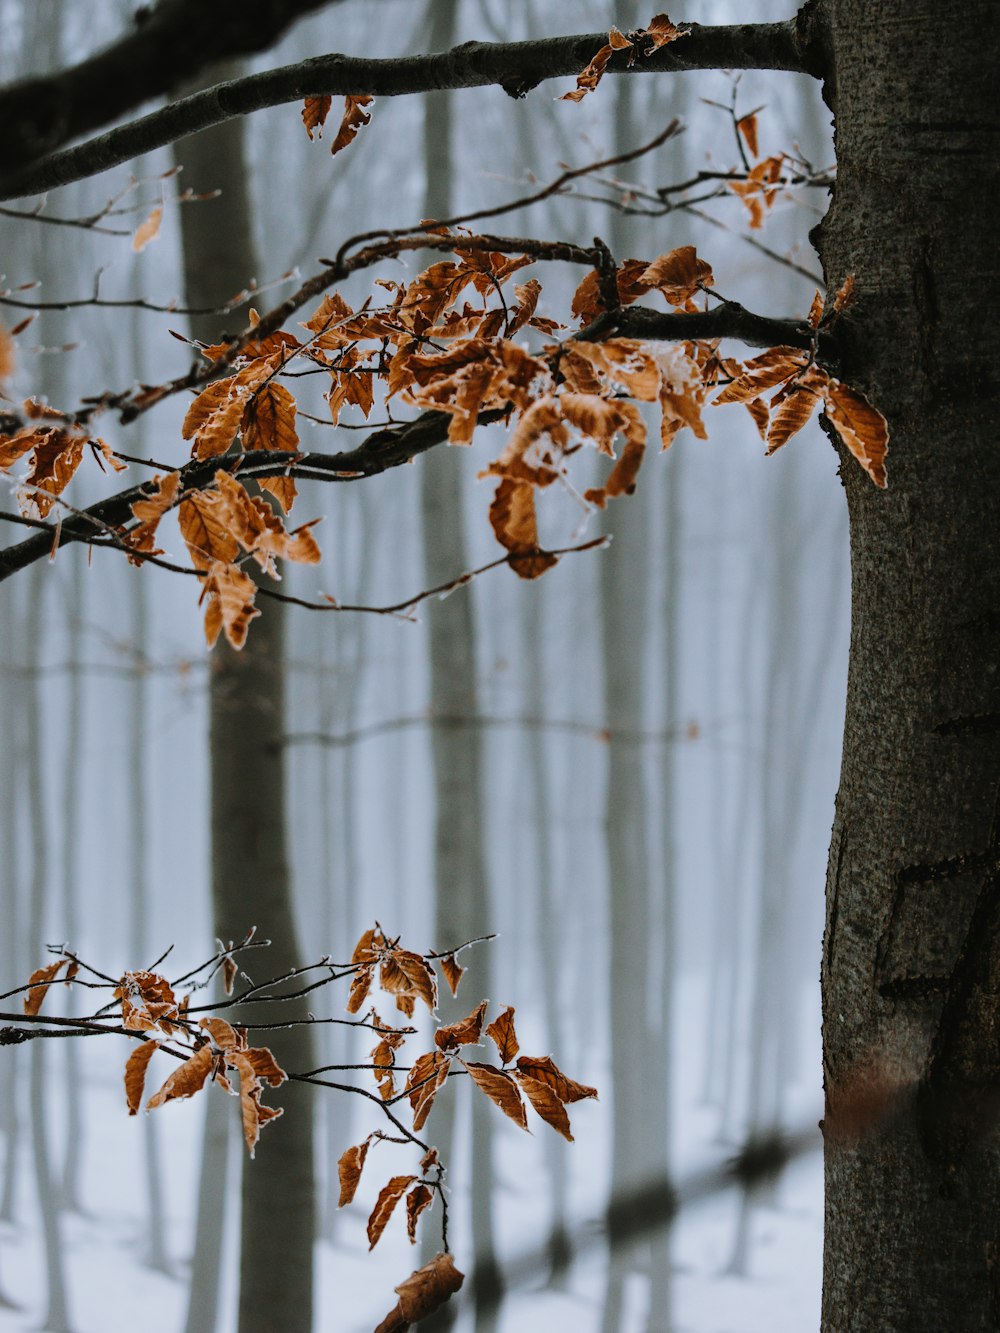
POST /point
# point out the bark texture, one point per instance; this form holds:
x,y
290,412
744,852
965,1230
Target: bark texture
x,y
911,966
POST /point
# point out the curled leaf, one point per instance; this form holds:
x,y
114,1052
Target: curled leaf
x,y
135,1073
422,1293
186,1080
464,1033
419,1198
389,1196
504,1038
349,1170
39,981
501,1089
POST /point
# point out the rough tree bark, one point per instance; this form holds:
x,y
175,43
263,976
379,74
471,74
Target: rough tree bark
x,y
251,883
911,966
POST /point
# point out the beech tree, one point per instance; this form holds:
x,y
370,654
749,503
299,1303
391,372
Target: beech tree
x,y
911,952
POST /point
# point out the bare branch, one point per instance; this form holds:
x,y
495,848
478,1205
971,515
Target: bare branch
x,y
44,114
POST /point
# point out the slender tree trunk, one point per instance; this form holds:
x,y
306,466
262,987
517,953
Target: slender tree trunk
x,y
460,871
250,876
911,966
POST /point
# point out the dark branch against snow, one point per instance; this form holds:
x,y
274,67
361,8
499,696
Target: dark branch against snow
x,y
33,128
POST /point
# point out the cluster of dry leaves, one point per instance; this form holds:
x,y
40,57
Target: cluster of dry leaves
x,y
462,339
212,1050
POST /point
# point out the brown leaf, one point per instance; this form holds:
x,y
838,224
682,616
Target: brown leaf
x,y
224,1035
419,1198
427,1074
269,420
39,981
546,1103
464,1033
265,1066
148,1002
384,1204
230,605
679,275
513,518
747,126
149,230
314,113
543,1068
501,1031
150,509
284,491
229,971
355,118
204,524
186,1080
792,414
404,973
661,31
253,1114
422,1293
349,1170
8,361
622,478
57,455
360,987
453,972
500,1088
861,426
368,947
135,1073
845,294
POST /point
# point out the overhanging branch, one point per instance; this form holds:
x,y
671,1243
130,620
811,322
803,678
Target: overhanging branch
x,y
36,127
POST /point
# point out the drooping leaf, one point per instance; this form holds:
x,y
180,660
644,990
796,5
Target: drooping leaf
x,y
404,973
543,1098
135,1073
504,1038
253,1113
501,1089
427,1074
230,603
314,113
229,971
39,981
513,519
544,1070
422,1293
453,972
224,1035
349,1169
8,361
150,509
354,119
269,420
186,1080
464,1033
389,1196
679,275
747,126
791,415
419,1198
148,1002
360,987
861,426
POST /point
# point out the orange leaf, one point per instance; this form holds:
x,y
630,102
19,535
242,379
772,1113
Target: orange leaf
x,y
792,414
747,126
500,1088
349,1170
314,113
546,1103
360,987
151,509
662,31
135,1073
39,981
224,1035
230,607
355,118
464,1033
861,426
422,1293
186,1080
283,489
512,516
149,230
419,1198
269,420
384,1204
427,1073
504,1038
148,1002
543,1069
589,77
678,275
405,973
845,295
453,972
8,362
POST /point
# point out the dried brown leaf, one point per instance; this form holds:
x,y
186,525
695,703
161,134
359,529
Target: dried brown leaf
x,y
679,275
501,1089
224,1035
422,1293
861,426
419,1198
39,981
546,1103
427,1074
453,972
544,1069
404,973
314,113
135,1073
349,1170
747,126
791,415
355,118
186,1080
504,1038
229,971
388,1198
360,987
464,1033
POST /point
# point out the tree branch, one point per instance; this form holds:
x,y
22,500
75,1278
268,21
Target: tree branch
x,y
43,115
170,45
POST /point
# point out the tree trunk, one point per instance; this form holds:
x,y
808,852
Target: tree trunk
x,y
911,966
250,877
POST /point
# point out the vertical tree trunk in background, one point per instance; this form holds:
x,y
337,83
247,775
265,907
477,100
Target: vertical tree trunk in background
x,y
460,872
911,966
250,876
